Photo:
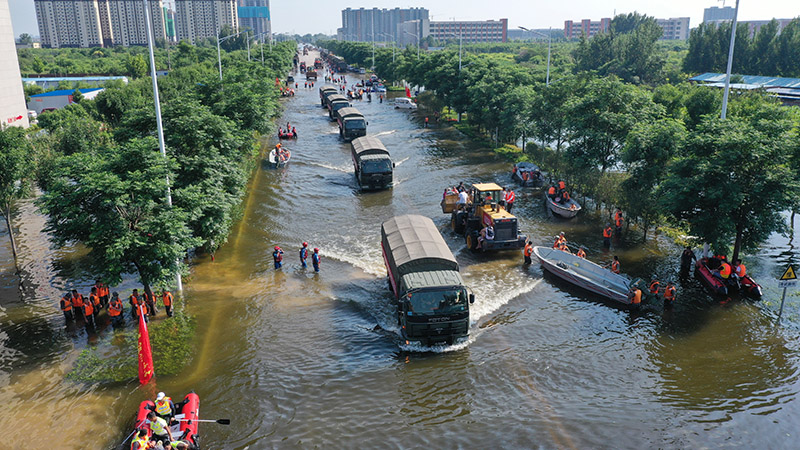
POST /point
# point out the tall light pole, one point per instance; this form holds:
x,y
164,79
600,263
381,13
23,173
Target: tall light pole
x,y
549,43
372,16
460,37
391,38
219,54
159,125
417,37
730,64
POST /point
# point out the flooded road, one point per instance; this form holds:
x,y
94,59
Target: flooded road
x,y
298,360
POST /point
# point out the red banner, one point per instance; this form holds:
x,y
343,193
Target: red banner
x,y
145,353
408,92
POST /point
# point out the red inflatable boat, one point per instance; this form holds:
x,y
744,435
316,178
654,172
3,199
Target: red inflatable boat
x,y
287,136
188,414
746,285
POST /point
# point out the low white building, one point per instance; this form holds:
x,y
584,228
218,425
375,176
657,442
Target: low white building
x,y
58,99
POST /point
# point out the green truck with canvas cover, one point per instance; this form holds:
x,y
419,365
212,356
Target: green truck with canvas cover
x,y
372,163
336,102
352,123
432,300
324,92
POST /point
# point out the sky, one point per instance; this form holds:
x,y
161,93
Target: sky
x,y
324,16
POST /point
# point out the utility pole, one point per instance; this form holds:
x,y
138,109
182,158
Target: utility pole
x,y
178,281
730,63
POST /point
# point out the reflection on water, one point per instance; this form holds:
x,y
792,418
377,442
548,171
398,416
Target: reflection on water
x,y
298,359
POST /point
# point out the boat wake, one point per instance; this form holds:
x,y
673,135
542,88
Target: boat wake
x,y
386,133
402,161
344,169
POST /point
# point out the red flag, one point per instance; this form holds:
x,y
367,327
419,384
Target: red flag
x,y
145,353
408,92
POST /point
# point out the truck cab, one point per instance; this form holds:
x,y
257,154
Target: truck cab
x,y
483,210
352,123
372,164
432,299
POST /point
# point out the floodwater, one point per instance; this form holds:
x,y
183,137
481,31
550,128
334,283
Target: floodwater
x,y
300,360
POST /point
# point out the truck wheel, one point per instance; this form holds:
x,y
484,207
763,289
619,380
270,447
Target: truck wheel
x,y
472,242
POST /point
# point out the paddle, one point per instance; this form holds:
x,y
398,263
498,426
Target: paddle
x,y
219,421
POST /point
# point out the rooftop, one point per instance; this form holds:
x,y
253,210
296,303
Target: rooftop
x,y
754,80
61,92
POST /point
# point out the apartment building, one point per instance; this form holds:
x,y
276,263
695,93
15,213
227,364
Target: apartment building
x,y
379,24
587,27
471,30
127,21
69,23
676,28
196,20
254,14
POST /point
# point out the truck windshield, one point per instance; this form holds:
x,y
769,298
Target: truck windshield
x,y
358,124
438,302
377,166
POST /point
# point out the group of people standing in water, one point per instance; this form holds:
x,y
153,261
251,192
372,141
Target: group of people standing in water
x,y
277,257
76,307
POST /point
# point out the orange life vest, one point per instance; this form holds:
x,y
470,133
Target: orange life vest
x,y
552,190
615,266
134,300
607,233
741,270
510,196
565,196
88,309
725,270
581,253
77,301
528,250
167,298
66,304
637,297
619,222
654,287
562,185
669,292
115,308
94,300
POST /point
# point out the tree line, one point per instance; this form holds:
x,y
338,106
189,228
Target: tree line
x,y
658,151
102,176
770,51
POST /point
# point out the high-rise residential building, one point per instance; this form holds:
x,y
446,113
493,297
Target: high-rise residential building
x,y
471,30
410,32
574,30
254,14
69,23
13,111
196,20
377,24
105,23
676,28
169,24
127,19
716,14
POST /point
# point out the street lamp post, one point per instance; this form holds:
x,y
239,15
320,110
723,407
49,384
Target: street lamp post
x,y
730,63
460,38
417,38
549,43
159,126
219,54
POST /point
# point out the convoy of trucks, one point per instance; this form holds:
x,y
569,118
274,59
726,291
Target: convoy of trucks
x,y
352,123
432,299
372,163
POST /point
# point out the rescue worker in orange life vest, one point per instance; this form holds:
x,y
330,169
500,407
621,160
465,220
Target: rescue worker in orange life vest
x,y
723,272
115,310
88,313
527,251
607,233
510,198
615,266
304,255
167,300
315,259
669,295
618,220
635,297
94,299
277,257
655,286
77,304
739,268
164,407
581,252
66,306
551,192
134,300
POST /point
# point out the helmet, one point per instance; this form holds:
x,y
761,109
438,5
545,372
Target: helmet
x,y
305,244
562,233
316,249
277,248
160,396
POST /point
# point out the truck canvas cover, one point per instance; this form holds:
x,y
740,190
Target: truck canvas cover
x,y
413,244
348,112
368,145
337,98
421,280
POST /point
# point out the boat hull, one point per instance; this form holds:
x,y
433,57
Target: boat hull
x,y
584,273
568,211
188,409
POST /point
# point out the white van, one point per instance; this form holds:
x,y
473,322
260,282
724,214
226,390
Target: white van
x,y
404,103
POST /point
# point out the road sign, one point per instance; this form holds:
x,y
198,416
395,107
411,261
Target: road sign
x,y
789,274
787,283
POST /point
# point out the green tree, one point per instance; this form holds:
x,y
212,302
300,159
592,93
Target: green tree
x,y
648,150
732,180
112,201
25,39
136,66
16,164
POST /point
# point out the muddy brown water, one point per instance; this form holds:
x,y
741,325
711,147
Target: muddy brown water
x,y
298,360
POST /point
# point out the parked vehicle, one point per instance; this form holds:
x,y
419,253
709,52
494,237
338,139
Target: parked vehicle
x,y
483,210
432,300
372,163
404,103
352,123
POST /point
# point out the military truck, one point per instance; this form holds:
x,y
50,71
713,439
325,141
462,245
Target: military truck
x,y
372,163
351,123
483,209
335,103
324,92
311,74
432,300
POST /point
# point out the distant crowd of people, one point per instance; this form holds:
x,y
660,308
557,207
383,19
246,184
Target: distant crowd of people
x,y
77,307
